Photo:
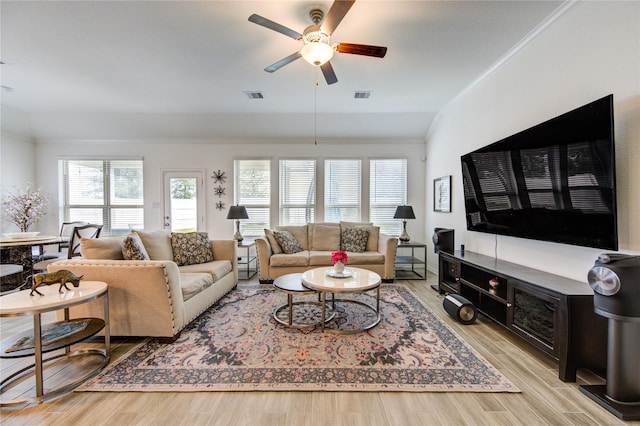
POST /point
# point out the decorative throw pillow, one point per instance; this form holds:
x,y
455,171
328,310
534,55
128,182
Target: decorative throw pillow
x,y
275,247
157,243
190,248
325,237
287,242
102,248
133,249
374,232
354,239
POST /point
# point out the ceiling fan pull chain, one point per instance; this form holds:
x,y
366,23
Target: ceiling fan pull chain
x,y
315,110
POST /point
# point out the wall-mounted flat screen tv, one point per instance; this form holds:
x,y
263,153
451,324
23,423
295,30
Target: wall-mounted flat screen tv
x,y
552,182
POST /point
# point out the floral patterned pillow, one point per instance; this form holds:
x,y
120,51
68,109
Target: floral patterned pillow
x,y
287,242
133,249
190,248
354,240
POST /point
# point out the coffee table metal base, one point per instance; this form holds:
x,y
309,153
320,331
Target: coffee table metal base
x,y
366,327
292,284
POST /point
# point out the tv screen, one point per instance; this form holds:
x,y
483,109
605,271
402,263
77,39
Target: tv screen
x,y
552,182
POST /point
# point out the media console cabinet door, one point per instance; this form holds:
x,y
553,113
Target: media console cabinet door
x,y
536,317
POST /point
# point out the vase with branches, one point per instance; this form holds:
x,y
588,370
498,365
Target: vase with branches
x,y
25,208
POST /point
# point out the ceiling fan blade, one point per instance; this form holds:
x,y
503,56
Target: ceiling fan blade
x,y
362,49
329,74
282,62
267,23
338,10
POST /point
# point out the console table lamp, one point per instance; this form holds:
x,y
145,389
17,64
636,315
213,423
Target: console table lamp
x,y
237,213
404,213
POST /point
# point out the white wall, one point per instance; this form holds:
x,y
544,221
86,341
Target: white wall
x,y
214,155
590,51
16,169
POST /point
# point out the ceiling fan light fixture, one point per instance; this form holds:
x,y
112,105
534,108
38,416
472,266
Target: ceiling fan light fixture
x,y
317,53
317,49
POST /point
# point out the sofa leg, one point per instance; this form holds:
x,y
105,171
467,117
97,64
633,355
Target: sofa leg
x,y
169,340
388,280
266,281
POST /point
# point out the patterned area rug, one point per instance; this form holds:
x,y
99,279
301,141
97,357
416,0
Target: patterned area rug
x,y
237,346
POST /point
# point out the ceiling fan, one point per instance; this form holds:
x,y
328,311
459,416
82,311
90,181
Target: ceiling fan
x,y
317,49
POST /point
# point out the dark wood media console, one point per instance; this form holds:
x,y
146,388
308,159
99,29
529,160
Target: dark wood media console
x,y
552,313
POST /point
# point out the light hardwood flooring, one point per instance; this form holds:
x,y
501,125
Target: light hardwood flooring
x,y
545,400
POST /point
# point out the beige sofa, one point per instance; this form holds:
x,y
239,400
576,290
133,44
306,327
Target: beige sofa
x,y
318,241
156,297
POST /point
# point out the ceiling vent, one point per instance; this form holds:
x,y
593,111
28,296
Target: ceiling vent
x,y
361,95
254,95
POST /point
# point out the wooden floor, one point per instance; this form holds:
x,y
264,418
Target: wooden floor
x,y
545,400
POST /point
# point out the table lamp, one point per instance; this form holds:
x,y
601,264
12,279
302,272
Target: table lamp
x,y
237,213
404,213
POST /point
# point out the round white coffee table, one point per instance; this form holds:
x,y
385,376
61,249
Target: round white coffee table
x,y
358,280
51,337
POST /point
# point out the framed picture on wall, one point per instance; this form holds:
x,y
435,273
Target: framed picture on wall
x,y
442,194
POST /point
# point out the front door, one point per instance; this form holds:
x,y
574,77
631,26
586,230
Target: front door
x,y
184,200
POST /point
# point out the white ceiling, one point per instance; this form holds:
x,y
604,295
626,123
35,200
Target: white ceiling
x,y
151,69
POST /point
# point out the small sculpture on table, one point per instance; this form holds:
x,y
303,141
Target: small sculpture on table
x,y
61,277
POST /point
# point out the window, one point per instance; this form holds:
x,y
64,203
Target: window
x,y
105,192
387,190
252,182
297,191
342,182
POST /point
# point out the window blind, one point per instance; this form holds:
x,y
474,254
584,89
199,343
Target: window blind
x,y
106,192
253,190
387,191
342,183
297,191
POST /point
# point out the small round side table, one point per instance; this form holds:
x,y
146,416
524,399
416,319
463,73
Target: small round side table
x,y
45,339
291,284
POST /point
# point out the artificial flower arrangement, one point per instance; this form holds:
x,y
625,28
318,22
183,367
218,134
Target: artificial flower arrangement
x,y
25,208
339,256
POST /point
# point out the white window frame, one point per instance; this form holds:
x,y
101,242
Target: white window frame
x,y
108,206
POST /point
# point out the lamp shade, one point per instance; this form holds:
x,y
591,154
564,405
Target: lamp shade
x,y
237,212
404,212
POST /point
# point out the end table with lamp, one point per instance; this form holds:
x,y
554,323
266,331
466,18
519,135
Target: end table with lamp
x,y
406,212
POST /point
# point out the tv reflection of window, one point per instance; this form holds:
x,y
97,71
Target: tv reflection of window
x,y
552,182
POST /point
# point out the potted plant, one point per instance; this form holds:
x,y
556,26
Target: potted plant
x,y
25,208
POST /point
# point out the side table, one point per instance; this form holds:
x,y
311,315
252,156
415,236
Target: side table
x,y
411,260
247,267
291,284
21,304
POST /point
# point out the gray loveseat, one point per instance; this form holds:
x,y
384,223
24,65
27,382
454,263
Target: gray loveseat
x,y
318,241
156,297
